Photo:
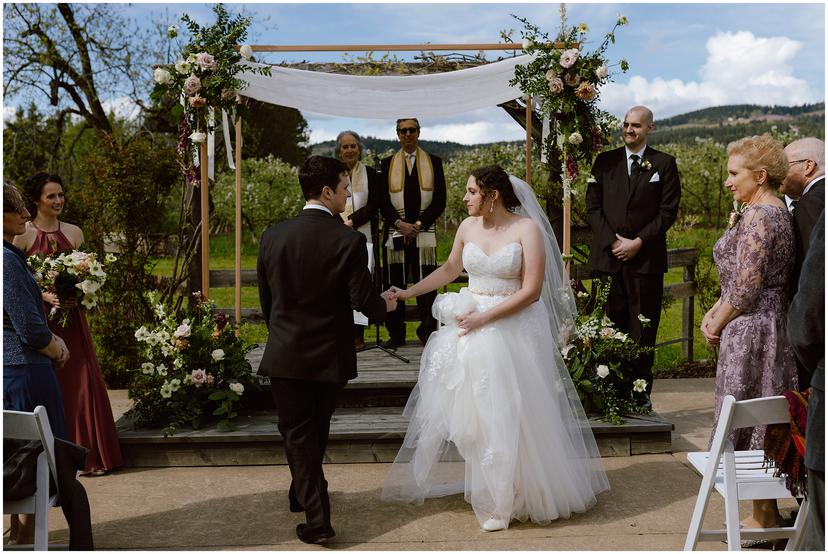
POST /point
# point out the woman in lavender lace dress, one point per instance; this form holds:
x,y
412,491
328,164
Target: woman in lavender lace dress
x,y
755,258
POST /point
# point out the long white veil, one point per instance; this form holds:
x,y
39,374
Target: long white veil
x,y
557,292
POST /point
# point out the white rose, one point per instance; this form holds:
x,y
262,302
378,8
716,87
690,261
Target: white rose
x,y
639,385
602,72
602,371
246,51
575,138
217,354
526,43
198,137
161,76
183,331
569,57
238,388
183,67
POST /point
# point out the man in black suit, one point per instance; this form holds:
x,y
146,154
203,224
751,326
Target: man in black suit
x,y
805,186
312,271
806,332
631,201
413,198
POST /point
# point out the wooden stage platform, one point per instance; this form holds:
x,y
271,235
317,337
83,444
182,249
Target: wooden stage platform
x,y
368,426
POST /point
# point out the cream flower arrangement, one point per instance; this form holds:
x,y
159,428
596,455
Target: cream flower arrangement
x,y
565,87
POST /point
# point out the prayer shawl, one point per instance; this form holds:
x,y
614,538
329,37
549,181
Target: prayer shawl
x,y
359,196
426,240
785,444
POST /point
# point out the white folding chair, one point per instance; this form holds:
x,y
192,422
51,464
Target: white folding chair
x,y
34,426
739,475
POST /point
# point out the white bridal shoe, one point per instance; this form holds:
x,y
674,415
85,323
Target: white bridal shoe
x,y
492,524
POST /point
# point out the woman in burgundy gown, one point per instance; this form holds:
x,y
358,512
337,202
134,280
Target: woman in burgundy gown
x,y
88,413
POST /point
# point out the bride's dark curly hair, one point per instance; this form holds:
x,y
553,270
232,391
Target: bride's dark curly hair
x,y
492,177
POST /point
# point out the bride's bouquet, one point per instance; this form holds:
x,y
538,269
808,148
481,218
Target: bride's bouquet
x,y
74,275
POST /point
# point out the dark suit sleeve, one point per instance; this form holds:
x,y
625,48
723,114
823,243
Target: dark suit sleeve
x,y
389,213
806,317
603,234
363,296
808,210
668,209
438,200
265,297
366,213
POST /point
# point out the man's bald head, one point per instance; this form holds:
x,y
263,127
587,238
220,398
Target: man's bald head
x,y
646,113
806,160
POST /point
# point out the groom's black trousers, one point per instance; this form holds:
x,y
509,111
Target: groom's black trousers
x,y
305,409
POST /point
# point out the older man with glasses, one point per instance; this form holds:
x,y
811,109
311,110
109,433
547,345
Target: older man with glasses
x,y
413,198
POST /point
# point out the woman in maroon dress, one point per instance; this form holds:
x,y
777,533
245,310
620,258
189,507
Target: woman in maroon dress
x,y
89,418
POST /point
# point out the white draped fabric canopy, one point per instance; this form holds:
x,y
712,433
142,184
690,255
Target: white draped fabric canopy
x,y
387,97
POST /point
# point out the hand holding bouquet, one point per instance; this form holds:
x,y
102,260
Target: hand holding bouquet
x,y
73,277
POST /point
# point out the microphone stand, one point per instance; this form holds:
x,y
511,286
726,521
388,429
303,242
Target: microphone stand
x,y
379,283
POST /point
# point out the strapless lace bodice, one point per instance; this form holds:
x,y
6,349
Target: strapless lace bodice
x,y
497,274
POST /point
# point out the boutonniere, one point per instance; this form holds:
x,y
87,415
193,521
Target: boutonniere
x,y
736,214
646,165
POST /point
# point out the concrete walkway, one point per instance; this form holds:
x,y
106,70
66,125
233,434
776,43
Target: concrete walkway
x,y
245,508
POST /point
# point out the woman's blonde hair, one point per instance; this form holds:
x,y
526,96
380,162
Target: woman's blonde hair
x,y
12,199
762,152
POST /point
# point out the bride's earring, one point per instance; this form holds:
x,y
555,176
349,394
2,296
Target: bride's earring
x,y
491,207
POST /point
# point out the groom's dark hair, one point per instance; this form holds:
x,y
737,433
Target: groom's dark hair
x,y
319,172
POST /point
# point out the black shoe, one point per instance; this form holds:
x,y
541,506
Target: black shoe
x,y
393,343
423,335
644,401
313,536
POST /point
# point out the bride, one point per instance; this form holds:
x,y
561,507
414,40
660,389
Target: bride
x,y
494,413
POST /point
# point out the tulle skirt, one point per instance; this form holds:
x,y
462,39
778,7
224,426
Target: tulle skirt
x,y
494,415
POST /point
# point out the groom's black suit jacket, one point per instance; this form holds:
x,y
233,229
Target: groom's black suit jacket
x,y
312,270
644,207
805,215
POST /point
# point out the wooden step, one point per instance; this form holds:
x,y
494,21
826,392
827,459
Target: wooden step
x,y
357,435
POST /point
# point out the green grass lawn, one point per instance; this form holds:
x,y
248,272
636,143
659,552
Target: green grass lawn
x,y
223,257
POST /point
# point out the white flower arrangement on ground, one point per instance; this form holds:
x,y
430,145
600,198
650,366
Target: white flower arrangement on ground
x,y
594,357
74,275
194,365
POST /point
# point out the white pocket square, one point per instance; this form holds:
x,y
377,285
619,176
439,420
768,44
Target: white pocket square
x,y
655,178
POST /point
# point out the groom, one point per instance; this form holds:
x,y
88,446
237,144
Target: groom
x,y
313,271
631,201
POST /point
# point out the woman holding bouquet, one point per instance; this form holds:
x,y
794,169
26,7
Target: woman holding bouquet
x,y
88,412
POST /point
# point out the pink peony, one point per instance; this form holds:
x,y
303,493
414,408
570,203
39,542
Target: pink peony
x,y
206,61
556,85
192,85
569,57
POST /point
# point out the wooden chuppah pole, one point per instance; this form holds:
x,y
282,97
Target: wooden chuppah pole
x,y
567,222
238,223
205,221
529,114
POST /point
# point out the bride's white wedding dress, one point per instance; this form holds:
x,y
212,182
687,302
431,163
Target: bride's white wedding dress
x,y
494,414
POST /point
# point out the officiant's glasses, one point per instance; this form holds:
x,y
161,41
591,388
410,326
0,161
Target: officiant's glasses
x,y
408,130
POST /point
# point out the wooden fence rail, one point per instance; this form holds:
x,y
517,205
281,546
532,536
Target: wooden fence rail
x,y
685,291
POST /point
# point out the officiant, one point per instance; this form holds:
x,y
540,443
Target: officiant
x,y
414,196
363,205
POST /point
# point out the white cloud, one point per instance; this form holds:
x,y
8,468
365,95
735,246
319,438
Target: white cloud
x,y
9,113
122,107
740,68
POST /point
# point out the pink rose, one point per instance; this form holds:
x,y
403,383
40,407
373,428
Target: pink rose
x,y
556,85
199,377
192,85
586,91
197,101
572,80
550,74
569,57
206,61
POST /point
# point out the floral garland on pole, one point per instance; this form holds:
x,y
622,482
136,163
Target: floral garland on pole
x,y
205,78
564,86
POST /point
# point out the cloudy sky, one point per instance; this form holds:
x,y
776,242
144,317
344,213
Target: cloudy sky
x,y
682,56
